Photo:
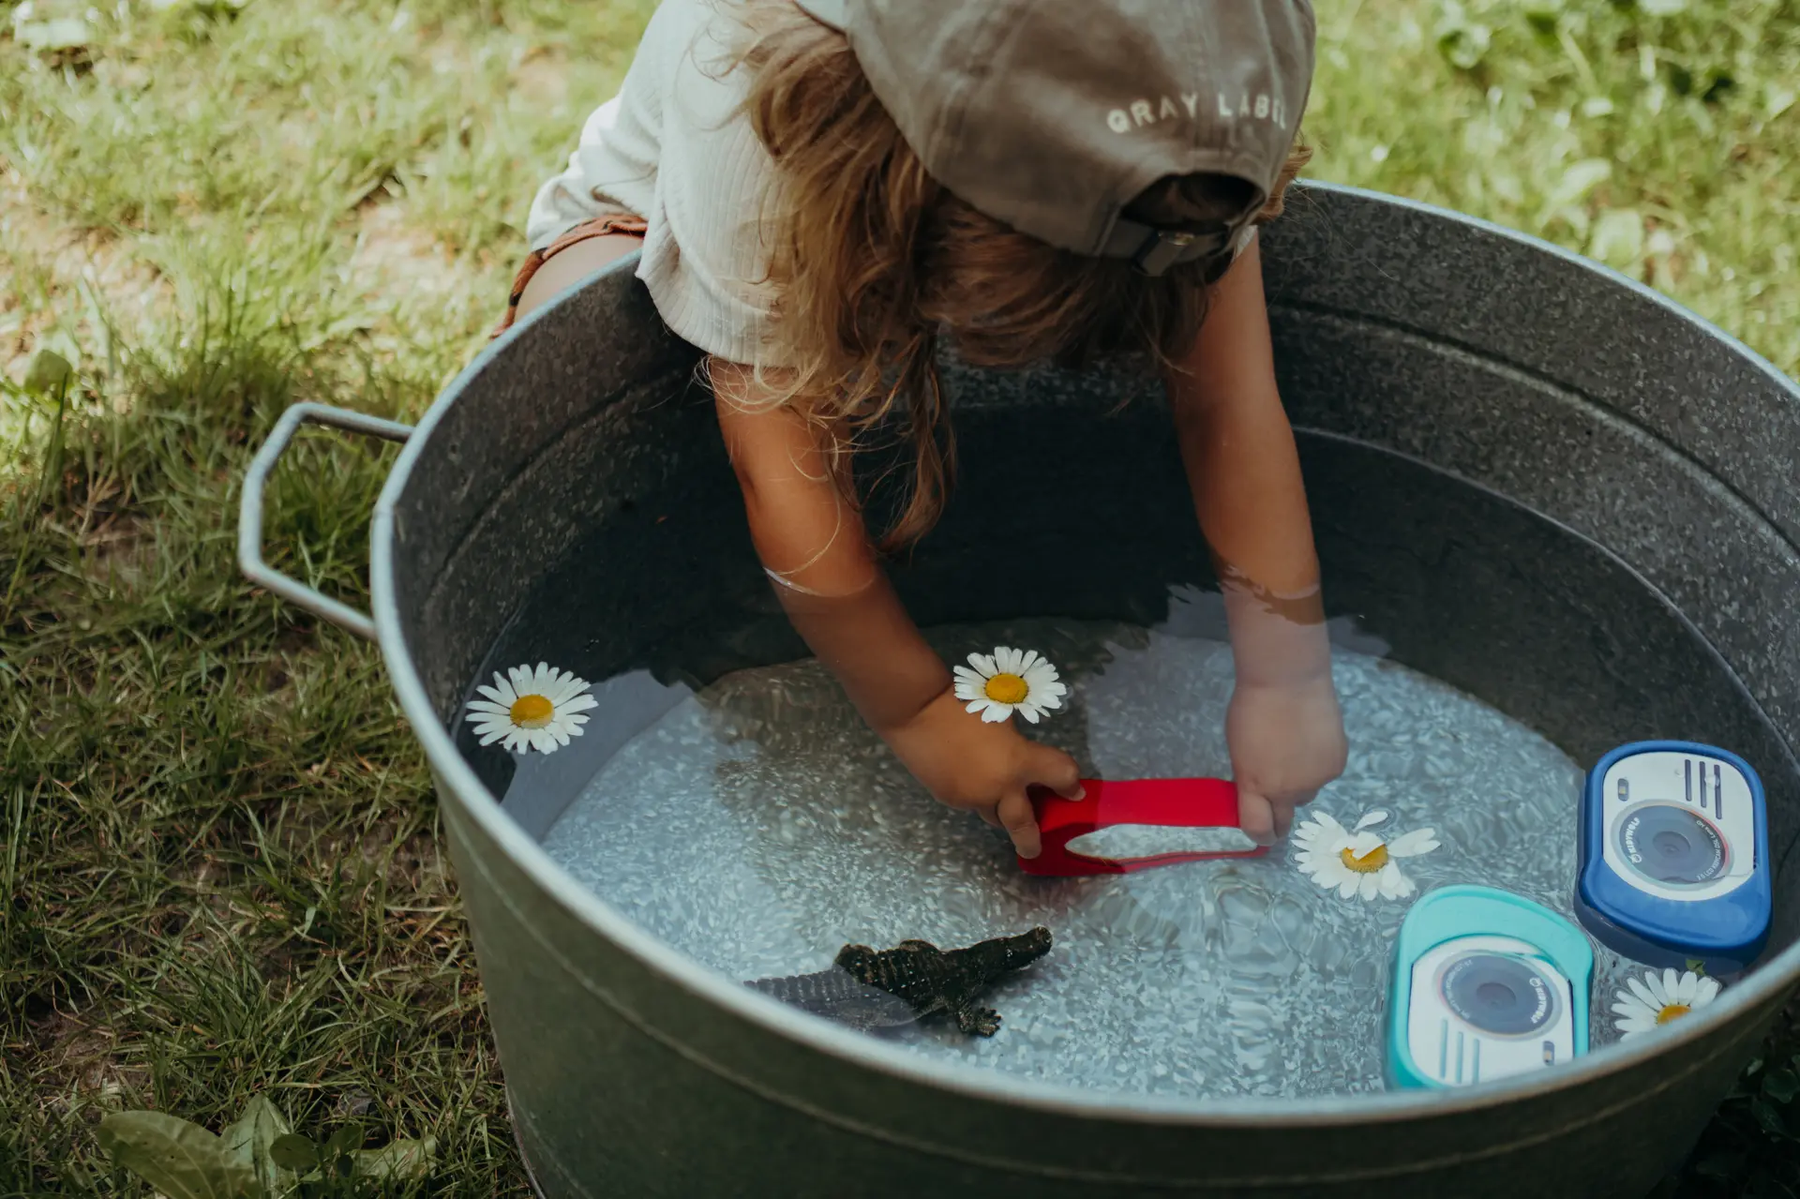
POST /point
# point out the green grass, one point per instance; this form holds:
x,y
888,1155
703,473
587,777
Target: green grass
x,y
219,871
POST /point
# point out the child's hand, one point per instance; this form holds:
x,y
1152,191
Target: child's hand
x,y
1286,741
984,768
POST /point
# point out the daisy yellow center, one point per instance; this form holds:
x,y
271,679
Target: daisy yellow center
x,y
532,711
1006,688
1369,863
1673,1011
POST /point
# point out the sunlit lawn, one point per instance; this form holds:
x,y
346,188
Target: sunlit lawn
x,y
219,874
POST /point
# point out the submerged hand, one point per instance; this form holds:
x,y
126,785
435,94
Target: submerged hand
x,y
1286,741
985,768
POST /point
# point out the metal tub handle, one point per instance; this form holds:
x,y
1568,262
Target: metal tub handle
x,y
250,509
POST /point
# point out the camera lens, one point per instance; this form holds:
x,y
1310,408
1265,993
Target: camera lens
x,y
1671,844
1500,994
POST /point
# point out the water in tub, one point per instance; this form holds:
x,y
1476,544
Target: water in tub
x,y
758,826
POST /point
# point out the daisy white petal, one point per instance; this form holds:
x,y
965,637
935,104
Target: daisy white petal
x,y
1029,661
1029,712
1685,988
1370,886
579,703
487,707
1371,818
1307,834
1315,834
567,689
1644,994
1349,885
984,665
1706,991
1671,983
1411,845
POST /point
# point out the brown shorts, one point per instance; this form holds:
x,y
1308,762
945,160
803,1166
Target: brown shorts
x,y
599,226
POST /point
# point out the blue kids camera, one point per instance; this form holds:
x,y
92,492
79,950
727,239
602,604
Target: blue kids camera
x,y
1674,856
1486,985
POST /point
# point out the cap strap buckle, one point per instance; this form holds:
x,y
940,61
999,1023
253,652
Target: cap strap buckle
x,y
1163,248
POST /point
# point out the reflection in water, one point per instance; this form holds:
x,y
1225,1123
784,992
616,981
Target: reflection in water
x,y
760,826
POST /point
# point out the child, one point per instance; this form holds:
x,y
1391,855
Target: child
x,y
822,189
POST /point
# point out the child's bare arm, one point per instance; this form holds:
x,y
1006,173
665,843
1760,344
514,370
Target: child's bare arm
x,y
573,265
814,544
1238,446
1284,727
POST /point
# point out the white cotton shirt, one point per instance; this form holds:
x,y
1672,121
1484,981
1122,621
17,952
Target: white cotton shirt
x,y
675,148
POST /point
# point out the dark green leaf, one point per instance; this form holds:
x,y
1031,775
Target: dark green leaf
x,y
1768,1117
178,1158
292,1151
48,372
251,1139
1721,1165
1781,1085
349,1137
397,1161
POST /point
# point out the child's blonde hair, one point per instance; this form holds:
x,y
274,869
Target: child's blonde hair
x,y
871,258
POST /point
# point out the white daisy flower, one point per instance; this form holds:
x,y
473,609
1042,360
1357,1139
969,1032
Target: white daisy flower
x,y
1657,999
1356,861
532,709
1007,681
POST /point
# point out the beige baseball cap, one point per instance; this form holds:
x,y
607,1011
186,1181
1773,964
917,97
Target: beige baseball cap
x,y
1052,115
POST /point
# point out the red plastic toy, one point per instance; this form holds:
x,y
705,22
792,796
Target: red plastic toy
x,y
1168,803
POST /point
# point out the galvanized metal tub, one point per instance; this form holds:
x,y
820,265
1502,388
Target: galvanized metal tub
x,y
1611,420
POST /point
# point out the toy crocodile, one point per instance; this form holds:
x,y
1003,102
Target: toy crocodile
x,y
868,988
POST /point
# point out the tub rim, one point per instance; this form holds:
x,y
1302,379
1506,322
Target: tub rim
x,y
1777,974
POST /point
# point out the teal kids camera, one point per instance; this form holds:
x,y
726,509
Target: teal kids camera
x,y
1486,985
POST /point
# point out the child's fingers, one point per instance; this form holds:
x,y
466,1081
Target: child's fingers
x,y
1256,816
1020,822
1056,770
1284,810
